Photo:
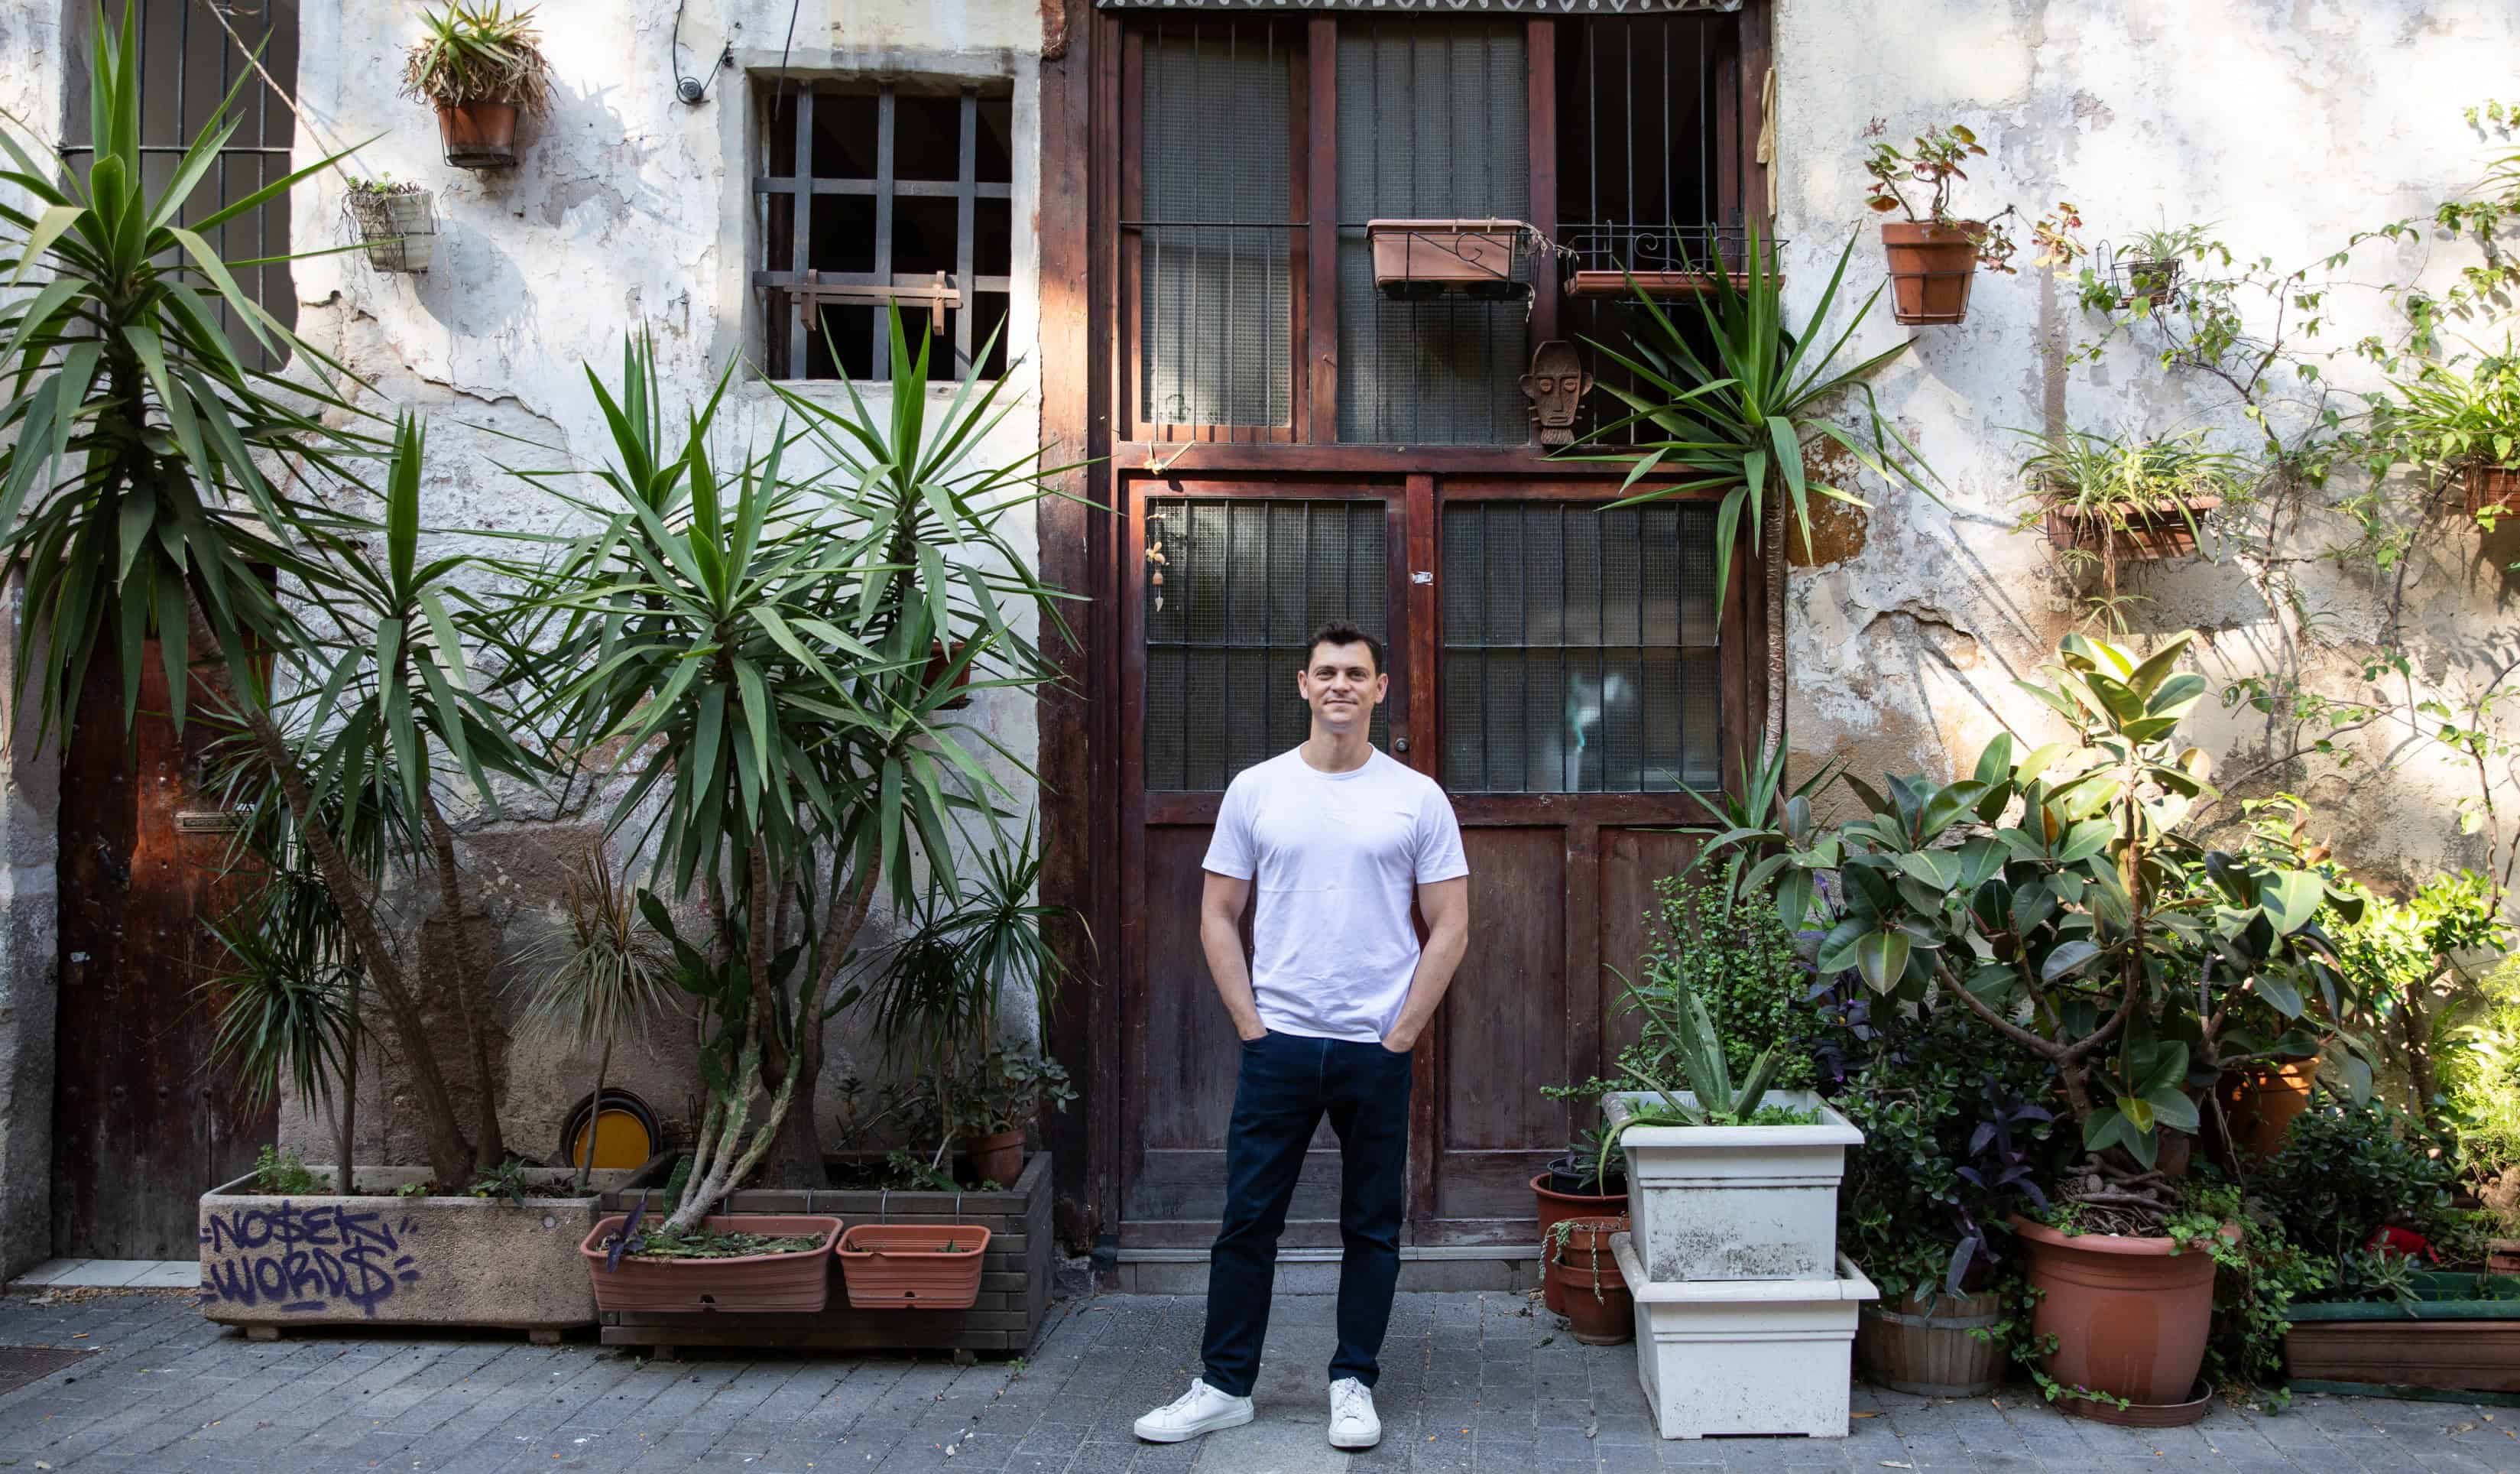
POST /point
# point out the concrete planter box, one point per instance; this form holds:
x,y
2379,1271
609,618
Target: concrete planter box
x,y
1727,1358
271,1262
1734,1202
1005,1316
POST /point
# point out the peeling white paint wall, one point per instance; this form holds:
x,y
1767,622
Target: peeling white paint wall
x,y
2287,125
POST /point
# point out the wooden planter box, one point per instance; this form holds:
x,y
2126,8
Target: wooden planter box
x,y
2163,533
2449,1347
1014,1276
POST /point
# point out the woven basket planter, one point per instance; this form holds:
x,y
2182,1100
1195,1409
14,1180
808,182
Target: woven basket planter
x,y
398,232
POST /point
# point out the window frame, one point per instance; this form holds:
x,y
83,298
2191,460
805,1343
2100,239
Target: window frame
x,y
1313,159
780,294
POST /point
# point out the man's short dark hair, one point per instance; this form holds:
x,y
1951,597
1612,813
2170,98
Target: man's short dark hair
x,y
1342,633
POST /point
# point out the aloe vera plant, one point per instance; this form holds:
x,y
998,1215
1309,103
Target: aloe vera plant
x,y
1700,1052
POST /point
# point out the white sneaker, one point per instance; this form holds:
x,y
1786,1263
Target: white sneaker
x,y
1201,1410
1353,1424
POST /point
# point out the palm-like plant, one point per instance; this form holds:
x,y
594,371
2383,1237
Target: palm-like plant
x,y
604,976
153,485
757,648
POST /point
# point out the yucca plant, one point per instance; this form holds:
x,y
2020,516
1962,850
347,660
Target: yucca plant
x,y
283,1001
479,52
607,975
754,647
151,485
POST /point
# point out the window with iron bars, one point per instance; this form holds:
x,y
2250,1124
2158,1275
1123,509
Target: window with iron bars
x,y
871,195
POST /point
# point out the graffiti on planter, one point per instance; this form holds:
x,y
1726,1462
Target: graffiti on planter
x,y
306,1259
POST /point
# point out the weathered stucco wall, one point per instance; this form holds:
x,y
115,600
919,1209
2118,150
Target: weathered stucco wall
x,y
31,92
629,209
2287,125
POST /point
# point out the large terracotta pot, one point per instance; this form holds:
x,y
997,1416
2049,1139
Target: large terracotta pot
x,y
997,1159
912,1267
1923,1346
1931,268
2261,1106
478,135
1591,1290
797,1283
1556,1207
2129,1315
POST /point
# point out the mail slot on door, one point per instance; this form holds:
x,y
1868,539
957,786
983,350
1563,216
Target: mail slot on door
x,y
209,820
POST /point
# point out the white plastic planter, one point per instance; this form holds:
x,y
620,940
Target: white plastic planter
x,y
1734,1202
1761,1358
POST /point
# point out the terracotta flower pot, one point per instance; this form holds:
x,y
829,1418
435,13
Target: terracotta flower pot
x,y
1591,1294
1931,268
1924,1347
478,135
1556,1207
997,1159
798,1281
912,1267
2490,489
2260,1106
2129,1315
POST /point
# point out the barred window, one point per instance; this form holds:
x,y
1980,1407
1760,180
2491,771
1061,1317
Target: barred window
x,y
871,194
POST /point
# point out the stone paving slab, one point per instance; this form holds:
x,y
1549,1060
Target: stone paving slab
x,y
1473,1384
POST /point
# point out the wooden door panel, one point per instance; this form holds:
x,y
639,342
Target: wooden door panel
x,y
1633,860
1504,1028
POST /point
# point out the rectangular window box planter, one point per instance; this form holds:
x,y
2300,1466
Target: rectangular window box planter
x,y
2453,1344
750,1284
1007,1309
270,1263
1735,1202
1423,259
1746,1357
2166,532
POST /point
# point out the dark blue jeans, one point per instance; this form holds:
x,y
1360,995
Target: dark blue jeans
x,y
1287,1082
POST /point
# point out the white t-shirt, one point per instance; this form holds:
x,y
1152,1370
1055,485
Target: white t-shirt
x,y
1337,859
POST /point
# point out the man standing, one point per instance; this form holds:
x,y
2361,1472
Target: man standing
x,y
1340,840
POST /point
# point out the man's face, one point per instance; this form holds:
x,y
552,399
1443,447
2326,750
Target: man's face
x,y
1342,687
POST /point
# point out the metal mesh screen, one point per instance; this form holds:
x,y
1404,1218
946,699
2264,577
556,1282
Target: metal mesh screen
x,y
1214,300
1245,583
1579,648
1434,123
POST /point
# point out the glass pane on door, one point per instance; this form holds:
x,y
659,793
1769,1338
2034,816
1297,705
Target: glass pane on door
x,y
1579,648
1244,584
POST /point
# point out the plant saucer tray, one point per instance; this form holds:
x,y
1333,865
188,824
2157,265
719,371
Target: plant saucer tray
x,y
2459,1342
912,1267
798,1280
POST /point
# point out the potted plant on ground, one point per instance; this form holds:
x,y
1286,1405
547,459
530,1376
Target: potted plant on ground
x,y
1583,1279
480,66
1587,1182
2104,498
2463,425
1934,258
2053,897
396,227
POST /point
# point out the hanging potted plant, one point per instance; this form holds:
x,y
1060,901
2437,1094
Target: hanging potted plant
x,y
2459,426
1934,258
480,66
2105,499
396,227
2148,271
2054,900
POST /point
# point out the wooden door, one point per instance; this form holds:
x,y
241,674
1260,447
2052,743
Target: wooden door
x,y
1557,667
140,1125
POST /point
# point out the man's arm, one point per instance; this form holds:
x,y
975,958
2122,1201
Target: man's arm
x,y
1219,935
1445,905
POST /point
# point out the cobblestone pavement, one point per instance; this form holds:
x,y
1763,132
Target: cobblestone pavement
x,y
1471,1383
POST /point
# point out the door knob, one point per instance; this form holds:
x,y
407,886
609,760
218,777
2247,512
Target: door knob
x,y
1400,744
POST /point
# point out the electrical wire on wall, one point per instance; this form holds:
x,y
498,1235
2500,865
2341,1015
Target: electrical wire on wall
x,y
695,90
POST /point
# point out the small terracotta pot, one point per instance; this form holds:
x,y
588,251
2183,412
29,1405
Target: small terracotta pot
x,y
997,1159
912,1267
1591,1294
799,1282
2260,1106
2490,489
478,135
1931,268
2129,1315
1556,1207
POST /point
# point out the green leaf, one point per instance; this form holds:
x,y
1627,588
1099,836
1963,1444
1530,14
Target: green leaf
x,y
1881,957
2067,958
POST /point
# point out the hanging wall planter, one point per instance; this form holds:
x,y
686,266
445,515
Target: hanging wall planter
x,y
1934,256
912,1267
2136,530
480,66
397,224
1932,265
1416,260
